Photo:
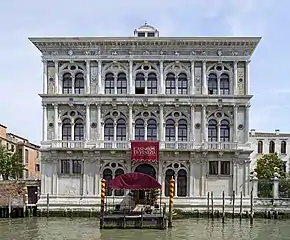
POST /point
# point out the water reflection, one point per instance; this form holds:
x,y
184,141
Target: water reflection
x,y
198,229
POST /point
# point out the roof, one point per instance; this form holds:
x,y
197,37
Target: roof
x,y
269,134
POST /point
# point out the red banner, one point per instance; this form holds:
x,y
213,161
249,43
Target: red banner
x,y
145,151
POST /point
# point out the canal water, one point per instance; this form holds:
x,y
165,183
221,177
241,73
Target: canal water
x,y
193,229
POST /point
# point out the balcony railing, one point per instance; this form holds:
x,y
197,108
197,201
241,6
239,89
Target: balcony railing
x,y
163,145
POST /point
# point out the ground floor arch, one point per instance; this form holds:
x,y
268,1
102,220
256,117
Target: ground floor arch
x,y
146,169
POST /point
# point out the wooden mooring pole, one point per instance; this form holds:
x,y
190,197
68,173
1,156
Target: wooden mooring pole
x,y
251,208
234,199
223,217
171,198
47,205
212,206
103,196
208,211
241,206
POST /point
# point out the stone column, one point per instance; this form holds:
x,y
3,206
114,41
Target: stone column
x,y
99,123
247,123
235,175
247,177
255,181
235,125
88,77
44,76
235,82
130,122
247,78
204,124
276,185
55,123
204,78
130,85
161,120
54,177
192,90
162,89
56,87
192,123
100,87
191,176
88,121
44,123
97,175
43,177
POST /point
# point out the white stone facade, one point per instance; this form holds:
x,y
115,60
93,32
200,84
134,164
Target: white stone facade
x,y
191,94
267,142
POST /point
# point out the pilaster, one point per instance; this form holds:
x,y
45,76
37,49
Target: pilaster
x,y
130,85
44,76
235,82
56,87
247,123
161,125
192,123
88,121
55,107
130,122
204,78
99,122
192,90
235,125
88,77
44,123
204,124
100,87
247,78
162,89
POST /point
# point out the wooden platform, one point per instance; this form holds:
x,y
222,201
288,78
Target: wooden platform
x,y
135,220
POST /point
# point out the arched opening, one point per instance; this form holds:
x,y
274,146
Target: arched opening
x,y
140,195
146,169
181,183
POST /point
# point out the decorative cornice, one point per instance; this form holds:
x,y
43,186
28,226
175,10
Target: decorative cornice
x,y
177,47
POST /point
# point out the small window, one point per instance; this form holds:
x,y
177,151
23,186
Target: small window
x,y
225,167
26,156
213,168
37,168
151,34
77,167
141,34
271,147
65,167
260,147
12,148
283,147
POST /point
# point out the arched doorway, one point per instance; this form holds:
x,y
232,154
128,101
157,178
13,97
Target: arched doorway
x,y
146,169
140,195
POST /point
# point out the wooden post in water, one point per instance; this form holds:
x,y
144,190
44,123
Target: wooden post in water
x,y
171,198
223,217
47,205
103,196
234,198
212,208
251,208
9,206
241,206
208,213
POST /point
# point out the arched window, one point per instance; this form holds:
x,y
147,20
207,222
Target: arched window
x,y
182,183
182,84
271,147
140,83
170,84
79,130
66,129
151,130
121,130
152,83
119,192
109,83
79,83
67,83
168,175
224,84
109,129
283,147
170,130
212,84
122,83
108,175
225,131
260,147
182,130
212,130
139,129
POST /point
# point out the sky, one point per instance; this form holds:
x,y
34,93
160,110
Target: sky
x,y
21,67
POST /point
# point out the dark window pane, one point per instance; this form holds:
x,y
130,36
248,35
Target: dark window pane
x,y
65,167
77,166
213,168
170,84
170,130
225,167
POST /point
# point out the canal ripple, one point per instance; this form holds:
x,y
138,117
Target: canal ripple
x,y
88,229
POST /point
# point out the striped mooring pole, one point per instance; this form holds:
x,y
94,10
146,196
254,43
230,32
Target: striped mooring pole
x,y
171,198
103,196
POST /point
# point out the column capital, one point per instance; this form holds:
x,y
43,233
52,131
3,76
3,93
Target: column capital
x,y
88,60
44,105
130,105
55,105
87,105
235,62
248,61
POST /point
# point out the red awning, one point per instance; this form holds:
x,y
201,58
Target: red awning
x,y
134,181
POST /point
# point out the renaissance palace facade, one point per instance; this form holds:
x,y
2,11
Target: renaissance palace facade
x,y
103,94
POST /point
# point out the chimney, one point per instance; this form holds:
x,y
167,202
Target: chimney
x,y
277,131
252,132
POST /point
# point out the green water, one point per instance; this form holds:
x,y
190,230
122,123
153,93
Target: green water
x,y
193,229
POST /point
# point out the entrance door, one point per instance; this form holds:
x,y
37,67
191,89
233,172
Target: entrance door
x,y
32,194
140,195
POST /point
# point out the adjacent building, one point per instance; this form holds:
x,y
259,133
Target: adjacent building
x,y
28,152
166,106
270,142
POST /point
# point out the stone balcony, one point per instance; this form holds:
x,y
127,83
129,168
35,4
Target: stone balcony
x,y
123,145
